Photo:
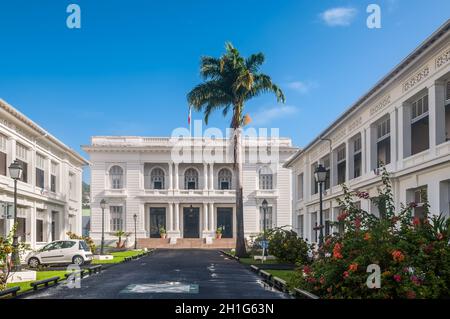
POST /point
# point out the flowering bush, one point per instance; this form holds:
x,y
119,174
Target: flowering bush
x,y
413,254
287,246
6,249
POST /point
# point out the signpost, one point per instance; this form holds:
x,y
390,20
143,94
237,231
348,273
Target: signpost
x,y
264,246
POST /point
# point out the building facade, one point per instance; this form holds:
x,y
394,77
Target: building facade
x,y
140,178
49,193
403,122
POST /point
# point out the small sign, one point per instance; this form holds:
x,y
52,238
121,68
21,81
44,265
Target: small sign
x,y
7,210
264,244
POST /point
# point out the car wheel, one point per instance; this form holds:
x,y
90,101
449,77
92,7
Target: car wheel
x,y
78,260
33,262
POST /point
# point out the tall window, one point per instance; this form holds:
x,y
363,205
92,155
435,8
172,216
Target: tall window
x,y
22,157
40,171
314,229
157,178
116,213
224,178
39,230
191,179
447,112
269,218
420,195
72,186
300,225
314,184
420,133
326,222
326,164
341,164
265,178
53,174
3,157
300,186
357,156
116,176
384,142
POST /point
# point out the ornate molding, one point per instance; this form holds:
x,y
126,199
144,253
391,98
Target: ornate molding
x,y
385,101
354,124
418,77
443,58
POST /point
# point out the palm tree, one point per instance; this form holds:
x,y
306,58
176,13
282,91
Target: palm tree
x,y
228,82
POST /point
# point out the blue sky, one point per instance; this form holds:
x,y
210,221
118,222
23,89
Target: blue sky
x,y
129,67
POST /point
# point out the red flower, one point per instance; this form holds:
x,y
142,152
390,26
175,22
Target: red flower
x,y
415,280
416,221
412,205
398,256
367,236
353,267
357,222
337,251
322,280
306,270
311,280
440,236
346,274
341,217
397,278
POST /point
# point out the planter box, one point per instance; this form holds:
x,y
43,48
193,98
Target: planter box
x,y
103,257
22,276
265,257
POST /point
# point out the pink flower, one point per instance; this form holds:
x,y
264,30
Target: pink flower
x,y
416,221
398,256
346,274
358,223
397,278
306,270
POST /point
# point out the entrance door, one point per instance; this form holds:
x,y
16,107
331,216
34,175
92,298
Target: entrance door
x,y
225,221
191,222
157,221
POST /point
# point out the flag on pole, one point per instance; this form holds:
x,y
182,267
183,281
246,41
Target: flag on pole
x,y
189,115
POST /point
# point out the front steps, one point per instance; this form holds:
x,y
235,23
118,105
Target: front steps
x,y
187,243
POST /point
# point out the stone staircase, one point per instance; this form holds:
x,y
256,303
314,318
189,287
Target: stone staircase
x,y
187,243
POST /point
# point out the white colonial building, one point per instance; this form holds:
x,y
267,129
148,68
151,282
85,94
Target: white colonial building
x,y
403,122
49,192
189,198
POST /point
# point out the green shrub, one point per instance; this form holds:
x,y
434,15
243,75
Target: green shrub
x,y
287,247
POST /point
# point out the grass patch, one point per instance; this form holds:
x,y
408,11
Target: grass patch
x,y
119,257
40,275
252,261
282,274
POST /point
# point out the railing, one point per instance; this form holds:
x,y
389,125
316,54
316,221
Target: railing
x,y
10,291
44,282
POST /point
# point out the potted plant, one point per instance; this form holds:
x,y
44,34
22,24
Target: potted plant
x,y
162,232
219,232
120,234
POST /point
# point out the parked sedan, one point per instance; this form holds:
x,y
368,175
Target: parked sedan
x,y
71,251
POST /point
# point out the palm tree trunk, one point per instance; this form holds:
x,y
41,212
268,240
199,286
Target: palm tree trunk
x,y
238,157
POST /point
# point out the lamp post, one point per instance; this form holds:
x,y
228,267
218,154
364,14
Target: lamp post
x,y
320,174
103,206
264,207
15,171
135,231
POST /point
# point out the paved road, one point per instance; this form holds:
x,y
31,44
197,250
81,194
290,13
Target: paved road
x,y
168,274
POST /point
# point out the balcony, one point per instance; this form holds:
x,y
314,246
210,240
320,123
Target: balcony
x,y
116,192
266,193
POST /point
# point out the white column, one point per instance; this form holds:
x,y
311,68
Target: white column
x,y
205,219
211,176
32,223
212,227
177,217
394,137
170,215
176,177
347,161
205,176
170,186
436,113
404,131
363,152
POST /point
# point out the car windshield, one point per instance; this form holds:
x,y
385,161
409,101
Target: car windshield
x,y
84,246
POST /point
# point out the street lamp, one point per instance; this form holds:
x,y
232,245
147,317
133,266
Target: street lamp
x,y
103,206
264,207
135,231
320,174
15,171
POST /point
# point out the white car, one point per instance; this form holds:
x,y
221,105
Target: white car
x,y
70,251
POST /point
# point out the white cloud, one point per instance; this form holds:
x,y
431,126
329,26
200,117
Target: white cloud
x,y
266,115
301,86
338,16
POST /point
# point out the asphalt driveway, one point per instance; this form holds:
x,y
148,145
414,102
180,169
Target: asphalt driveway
x,y
170,274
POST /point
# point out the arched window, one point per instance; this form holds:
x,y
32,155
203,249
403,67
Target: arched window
x,y
116,176
265,178
157,178
190,179
224,178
